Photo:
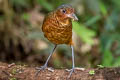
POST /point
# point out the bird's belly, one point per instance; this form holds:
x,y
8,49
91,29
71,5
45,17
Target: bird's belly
x,y
63,37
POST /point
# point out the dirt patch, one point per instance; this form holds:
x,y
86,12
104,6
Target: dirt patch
x,y
18,72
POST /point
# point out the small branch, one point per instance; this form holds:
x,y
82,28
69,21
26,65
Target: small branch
x,y
8,14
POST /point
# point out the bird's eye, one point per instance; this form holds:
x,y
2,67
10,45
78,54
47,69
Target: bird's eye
x,y
64,11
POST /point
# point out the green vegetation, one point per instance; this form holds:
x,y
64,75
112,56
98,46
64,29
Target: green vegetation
x,y
100,66
13,79
91,72
14,71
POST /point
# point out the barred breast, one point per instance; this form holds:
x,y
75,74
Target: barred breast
x,y
55,32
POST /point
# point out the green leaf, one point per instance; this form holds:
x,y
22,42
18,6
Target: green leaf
x,y
46,5
103,8
107,58
13,78
92,72
106,41
25,16
100,66
116,3
93,20
85,34
117,62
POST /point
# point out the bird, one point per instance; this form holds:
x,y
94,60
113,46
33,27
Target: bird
x,y
57,28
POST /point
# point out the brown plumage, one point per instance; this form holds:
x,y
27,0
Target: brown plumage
x,y
57,28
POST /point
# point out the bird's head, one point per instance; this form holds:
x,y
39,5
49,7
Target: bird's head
x,y
66,11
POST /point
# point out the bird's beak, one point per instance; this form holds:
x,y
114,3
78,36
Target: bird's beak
x,y
73,16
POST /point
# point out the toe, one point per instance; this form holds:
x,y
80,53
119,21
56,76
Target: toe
x,y
70,74
41,68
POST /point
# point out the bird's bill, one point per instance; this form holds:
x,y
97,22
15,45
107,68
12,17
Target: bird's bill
x,y
72,16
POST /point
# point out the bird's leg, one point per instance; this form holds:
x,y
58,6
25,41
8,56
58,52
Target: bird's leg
x,y
73,63
45,65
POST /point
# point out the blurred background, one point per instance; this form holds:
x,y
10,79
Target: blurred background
x,y
96,35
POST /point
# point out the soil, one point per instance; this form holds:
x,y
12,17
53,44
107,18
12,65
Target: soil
x,y
18,72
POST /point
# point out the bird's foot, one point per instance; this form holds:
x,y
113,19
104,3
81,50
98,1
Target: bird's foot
x,y
40,69
73,70
43,68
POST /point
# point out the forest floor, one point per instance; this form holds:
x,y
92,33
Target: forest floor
x,y
23,72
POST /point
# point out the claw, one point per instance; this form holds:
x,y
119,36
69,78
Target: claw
x,y
71,71
45,65
39,69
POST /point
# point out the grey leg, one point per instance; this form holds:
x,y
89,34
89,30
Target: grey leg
x,y
45,65
73,63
